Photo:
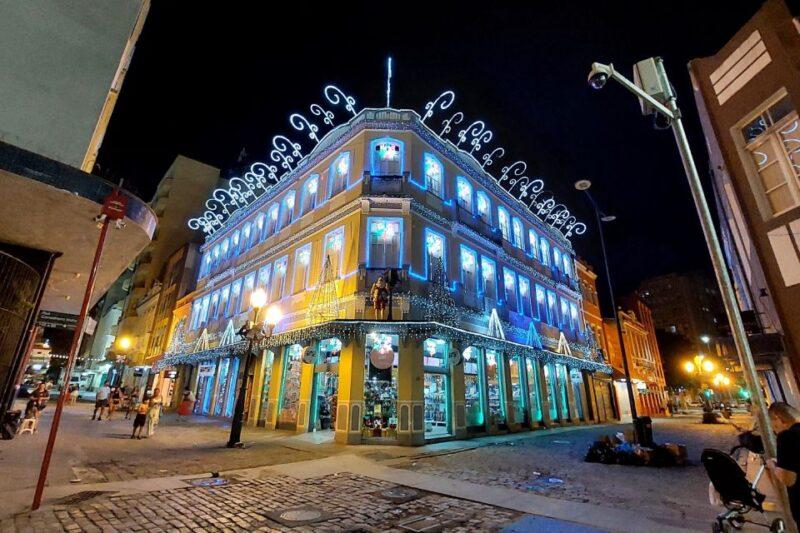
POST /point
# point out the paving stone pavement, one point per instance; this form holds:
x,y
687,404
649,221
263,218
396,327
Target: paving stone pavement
x,y
351,500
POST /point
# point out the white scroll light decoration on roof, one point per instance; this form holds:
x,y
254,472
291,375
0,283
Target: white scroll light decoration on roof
x,y
471,141
283,159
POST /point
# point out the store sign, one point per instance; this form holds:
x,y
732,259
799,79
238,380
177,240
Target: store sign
x,y
52,319
381,358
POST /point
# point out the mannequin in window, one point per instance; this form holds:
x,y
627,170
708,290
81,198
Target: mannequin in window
x,y
380,294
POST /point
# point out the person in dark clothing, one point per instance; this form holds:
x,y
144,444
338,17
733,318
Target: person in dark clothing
x,y
786,423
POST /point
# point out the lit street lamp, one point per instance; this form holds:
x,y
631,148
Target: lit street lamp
x,y
584,185
254,332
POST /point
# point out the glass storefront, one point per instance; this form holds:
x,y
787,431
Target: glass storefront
x,y
222,386
380,385
473,388
290,389
517,390
533,389
577,388
269,360
561,372
436,388
550,385
205,388
494,387
233,375
326,385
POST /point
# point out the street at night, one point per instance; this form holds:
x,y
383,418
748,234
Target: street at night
x,y
366,268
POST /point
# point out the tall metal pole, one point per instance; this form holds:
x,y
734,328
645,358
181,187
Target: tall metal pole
x,y
73,351
628,383
238,413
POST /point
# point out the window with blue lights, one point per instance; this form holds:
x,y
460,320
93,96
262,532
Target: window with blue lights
x,y
287,210
235,241
544,251
225,249
469,269
224,296
279,278
387,157
574,316
567,264
332,250
234,302
484,207
510,286
216,256
203,319
464,193
566,319
195,320
309,194
302,268
533,243
434,250
552,308
385,240
504,222
525,296
489,278
339,174
206,267
541,304
518,233
264,278
212,307
244,243
556,259
434,174
247,290
272,220
258,230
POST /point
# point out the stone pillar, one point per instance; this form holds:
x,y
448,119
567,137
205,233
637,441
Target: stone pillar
x,y
271,419
306,401
589,405
350,403
547,420
572,409
410,395
459,414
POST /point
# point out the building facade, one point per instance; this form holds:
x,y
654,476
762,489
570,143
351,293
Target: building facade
x,y
748,95
486,331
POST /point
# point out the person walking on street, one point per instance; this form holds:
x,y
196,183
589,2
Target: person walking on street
x,y
786,467
101,400
154,412
140,419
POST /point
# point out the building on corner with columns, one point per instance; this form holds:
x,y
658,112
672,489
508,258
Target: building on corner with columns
x,y
486,332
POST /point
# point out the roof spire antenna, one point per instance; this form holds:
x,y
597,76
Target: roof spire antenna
x,y
389,81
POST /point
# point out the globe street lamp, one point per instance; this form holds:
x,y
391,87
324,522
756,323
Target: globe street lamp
x,y
584,185
254,332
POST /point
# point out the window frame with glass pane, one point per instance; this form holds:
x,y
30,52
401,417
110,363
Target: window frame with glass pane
x,y
235,299
376,234
483,206
224,298
310,192
248,286
504,222
286,215
510,289
433,171
486,261
302,268
339,174
387,157
474,377
435,242
541,304
518,233
264,279
464,194
334,245
533,243
273,213
524,286
469,257
280,267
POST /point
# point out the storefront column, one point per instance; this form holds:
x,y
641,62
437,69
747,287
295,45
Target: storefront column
x,y
410,392
306,390
350,403
459,417
256,388
212,405
547,420
271,420
572,409
588,386
511,408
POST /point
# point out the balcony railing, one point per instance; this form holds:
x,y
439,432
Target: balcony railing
x,y
475,222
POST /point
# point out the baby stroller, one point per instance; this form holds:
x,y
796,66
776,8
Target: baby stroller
x,y
737,494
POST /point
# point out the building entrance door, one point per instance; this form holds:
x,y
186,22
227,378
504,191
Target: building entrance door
x,y
205,384
290,387
325,390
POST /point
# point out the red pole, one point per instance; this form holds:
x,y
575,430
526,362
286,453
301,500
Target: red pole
x,y
73,351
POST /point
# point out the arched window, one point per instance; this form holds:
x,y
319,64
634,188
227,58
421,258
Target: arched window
x,y
258,232
309,194
339,174
244,241
387,157
434,174
557,265
544,248
504,222
533,242
287,210
464,193
234,243
517,233
272,220
484,207
434,251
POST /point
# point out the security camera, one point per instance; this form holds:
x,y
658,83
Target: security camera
x,y
598,76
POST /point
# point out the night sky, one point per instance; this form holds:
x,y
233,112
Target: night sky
x,y
206,83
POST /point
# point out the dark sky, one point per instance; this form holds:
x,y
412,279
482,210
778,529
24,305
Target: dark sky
x,y
205,83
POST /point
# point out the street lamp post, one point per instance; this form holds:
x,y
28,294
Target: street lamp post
x,y
254,332
659,98
583,185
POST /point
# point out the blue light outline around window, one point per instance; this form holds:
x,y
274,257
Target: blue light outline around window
x,y
311,178
425,157
331,233
285,262
372,159
552,319
331,173
513,274
482,194
501,209
274,207
465,181
462,248
425,254
520,279
517,223
538,316
402,236
533,244
297,252
483,281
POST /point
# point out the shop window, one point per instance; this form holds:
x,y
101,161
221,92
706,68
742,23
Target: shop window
x,y
473,387
469,269
525,296
464,193
541,304
517,390
339,174
517,233
552,391
287,210
434,175
387,157
533,389
272,220
224,296
279,278
309,195
267,363
326,385
494,382
236,294
334,241
484,207
222,386
435,353
290,388
205,388
302,268
576,379
533,243
504,222
245,240
434,251
385,241
561,371
249,286
552,309
510,286
436,387
380,385
489,278
212,308
230,396
264,275
544,251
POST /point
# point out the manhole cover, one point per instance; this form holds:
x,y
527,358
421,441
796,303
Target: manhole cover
x,y
400,494
298,516
80,497
209,482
